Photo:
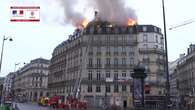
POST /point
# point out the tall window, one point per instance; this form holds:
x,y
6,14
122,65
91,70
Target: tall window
x,y
156,37
107,74
115,61
89,89
98,88
116,89
123,61
108,50
98,50
131,61
98,62
124,38
124,74
124,88
115,75
108,88
98,75
90,75
90,62
115,49
107,38
107,61
90,51
145,38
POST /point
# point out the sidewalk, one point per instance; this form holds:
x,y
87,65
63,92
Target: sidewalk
x,y
5,108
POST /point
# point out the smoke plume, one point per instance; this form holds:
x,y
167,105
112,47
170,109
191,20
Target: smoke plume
x,y
108,10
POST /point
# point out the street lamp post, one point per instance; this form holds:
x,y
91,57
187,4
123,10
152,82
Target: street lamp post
x,y
166,59
2,48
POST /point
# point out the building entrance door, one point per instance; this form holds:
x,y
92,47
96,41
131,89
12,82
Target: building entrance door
x,y
125,104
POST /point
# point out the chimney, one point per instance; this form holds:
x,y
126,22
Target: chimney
x,y
97,18
96,13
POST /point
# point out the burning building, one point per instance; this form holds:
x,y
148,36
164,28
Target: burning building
x,y
96,62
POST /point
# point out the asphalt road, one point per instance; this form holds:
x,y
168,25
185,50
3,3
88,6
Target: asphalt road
x,y
30,106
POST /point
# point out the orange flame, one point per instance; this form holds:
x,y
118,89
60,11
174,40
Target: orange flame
x,y
131,22
85,23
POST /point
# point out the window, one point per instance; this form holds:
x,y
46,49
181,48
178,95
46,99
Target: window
x,y
91,30
115,61
107,38
145,46
98,88
107,74
90,51
107,61
98,50
41,94
131,88
107,88
124,74
124,88
144,28
90,75
108,50
123,49
156,46
156,37
131,61
98,75
115,49
116,75
98,62
116,88
123,61
161,40
131,54
89,89
90,62
145,38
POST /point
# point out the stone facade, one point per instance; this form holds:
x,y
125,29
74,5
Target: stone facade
x,y
186,72
31,80
8,85
99,60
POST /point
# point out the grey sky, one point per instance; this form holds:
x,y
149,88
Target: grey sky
x,y
33,40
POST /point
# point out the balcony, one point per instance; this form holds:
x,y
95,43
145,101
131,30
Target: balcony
x,y
151,50
90,53
93,66
160,61
98,53
119,66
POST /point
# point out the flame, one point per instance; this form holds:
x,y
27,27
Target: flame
x,y
85,23
131,22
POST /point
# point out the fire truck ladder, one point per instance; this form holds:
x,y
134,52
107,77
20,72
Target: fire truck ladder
x,y
76,88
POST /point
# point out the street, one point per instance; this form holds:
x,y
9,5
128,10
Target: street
x,y
30,106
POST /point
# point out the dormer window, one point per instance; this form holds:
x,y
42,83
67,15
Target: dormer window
x,y
91,30
144,28
99,30
116,30
130,30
